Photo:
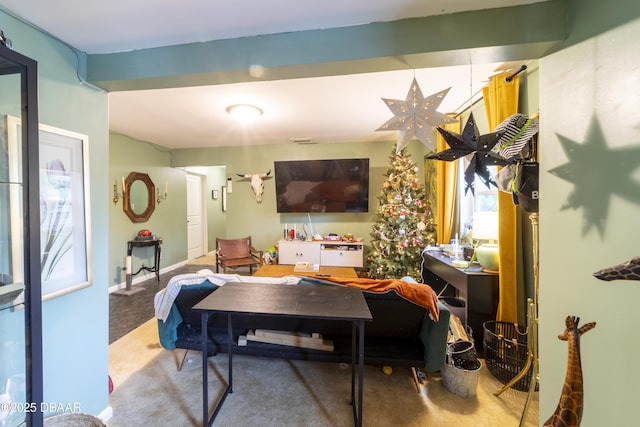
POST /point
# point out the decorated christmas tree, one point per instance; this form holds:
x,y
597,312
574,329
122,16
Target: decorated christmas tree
x,y
405,223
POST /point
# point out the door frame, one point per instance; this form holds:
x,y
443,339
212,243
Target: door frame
x,y
203,211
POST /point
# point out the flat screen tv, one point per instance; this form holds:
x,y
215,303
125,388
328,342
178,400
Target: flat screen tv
x,y
337,185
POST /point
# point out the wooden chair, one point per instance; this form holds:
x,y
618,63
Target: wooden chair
x,y
234,253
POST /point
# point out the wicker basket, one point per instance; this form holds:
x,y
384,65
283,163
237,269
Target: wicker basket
x,y
506,352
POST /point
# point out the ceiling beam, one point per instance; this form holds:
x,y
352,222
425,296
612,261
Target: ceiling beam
x,y
484,36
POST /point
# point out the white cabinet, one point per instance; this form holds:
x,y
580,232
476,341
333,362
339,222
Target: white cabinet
x,y
341,254
324,252
291,252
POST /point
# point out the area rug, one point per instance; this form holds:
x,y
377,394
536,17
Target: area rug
x,y
149,390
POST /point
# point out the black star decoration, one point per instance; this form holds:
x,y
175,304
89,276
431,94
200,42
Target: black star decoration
x,y
597,173
471,142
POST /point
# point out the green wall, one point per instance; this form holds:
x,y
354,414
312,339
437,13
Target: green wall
x,y
75,326
244,216
168,220
589,95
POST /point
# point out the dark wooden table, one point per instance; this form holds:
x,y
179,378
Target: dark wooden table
x,y
479,289
306,301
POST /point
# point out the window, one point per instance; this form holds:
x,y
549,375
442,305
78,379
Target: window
x,y
485,198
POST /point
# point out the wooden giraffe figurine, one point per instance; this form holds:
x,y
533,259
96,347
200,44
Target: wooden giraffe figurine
x,y
568,413
629,270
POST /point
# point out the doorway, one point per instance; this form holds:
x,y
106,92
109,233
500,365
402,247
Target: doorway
x,y
196,213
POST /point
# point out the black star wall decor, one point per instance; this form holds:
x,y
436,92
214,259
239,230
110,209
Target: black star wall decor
x,y
597,173
416,116
471,142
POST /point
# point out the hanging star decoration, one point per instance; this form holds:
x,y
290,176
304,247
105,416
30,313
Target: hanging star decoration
x,y
471,142
416,116
594,185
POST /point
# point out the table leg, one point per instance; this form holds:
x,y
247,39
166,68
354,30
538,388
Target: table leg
x,y
206,420
359,349
230,352
157,261
129,271
205,376
354,350
361,368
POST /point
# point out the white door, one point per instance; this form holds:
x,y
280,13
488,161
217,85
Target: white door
x,y
195,214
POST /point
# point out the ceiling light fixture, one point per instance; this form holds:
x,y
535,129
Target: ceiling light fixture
x,y
244,113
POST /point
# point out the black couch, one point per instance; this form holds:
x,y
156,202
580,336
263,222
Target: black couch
x,y
401,333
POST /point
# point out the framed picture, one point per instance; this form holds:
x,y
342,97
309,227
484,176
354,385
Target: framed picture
x,y
64,211
65,235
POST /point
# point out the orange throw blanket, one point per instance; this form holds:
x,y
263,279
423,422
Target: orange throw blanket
x,y
417,293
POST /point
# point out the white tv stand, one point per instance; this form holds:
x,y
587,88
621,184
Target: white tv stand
x,y
332,253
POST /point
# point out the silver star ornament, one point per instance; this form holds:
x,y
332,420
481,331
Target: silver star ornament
x,y
416,116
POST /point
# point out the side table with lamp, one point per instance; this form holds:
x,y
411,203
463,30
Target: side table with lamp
x,y
479,289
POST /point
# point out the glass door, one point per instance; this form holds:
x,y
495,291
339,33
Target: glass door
x,y
20,306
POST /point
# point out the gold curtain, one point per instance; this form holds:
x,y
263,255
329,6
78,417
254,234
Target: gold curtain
x,y
501,101
446,191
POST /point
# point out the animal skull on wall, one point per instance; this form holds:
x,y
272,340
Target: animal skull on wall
x,y
257,183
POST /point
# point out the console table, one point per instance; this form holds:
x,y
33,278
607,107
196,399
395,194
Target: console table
x,y
141,243
309,302
479,289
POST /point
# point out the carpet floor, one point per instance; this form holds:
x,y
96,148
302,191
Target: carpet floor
x,y
149,390
127,312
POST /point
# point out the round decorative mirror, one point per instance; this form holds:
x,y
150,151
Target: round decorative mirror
x,y
138,202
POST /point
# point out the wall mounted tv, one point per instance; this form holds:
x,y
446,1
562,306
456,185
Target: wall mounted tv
x,y
337,185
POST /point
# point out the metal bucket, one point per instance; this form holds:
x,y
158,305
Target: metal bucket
x,y
461,372
461,382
